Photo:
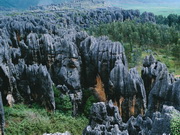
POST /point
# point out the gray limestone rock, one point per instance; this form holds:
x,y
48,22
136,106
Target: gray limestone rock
x,y
127,90
105,119
161,86
98,58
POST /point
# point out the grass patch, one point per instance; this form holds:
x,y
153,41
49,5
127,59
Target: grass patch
x,y
21,120
172,63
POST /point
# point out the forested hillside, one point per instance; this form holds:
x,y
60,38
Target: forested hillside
x,y
140,39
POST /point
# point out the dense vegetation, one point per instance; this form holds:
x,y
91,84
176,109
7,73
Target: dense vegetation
x,y
63,103
175,124
33,120
170,20
21,120
140,39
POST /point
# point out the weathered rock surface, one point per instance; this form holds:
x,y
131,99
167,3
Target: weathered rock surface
x,y
89,17
40,50
105,119
127,90
98,58
161,86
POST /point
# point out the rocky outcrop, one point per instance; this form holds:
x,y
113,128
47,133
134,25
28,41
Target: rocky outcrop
x,y
161,86
90,16
151,69
98,58
159,124
105,119
148,17
165,91
127,90
39,51
162,121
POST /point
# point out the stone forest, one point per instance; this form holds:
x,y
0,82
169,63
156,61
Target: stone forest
x,y
51,48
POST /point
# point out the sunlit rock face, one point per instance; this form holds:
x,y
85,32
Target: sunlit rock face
x,y
98,57
128,91
164,91
161,86
107,60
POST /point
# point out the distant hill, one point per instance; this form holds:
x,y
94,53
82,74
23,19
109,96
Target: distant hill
x,y
158,7
24,4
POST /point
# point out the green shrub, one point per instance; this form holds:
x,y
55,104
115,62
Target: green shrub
x,y
175,124
88,100
63,102
89,104
65,105
21,120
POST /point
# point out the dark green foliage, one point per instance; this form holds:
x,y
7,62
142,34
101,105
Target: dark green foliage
x,y
21,120
138,37
63,103
89,104
57,97
170,20
176,50
175,124
138,33
88,100
134,53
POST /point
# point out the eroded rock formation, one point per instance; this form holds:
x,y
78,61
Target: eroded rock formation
x,y
161,86
105,119
98,57
46,49
128,90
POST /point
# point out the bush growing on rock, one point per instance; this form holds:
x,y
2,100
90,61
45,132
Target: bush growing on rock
x,y
63,103
175,124
88,98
